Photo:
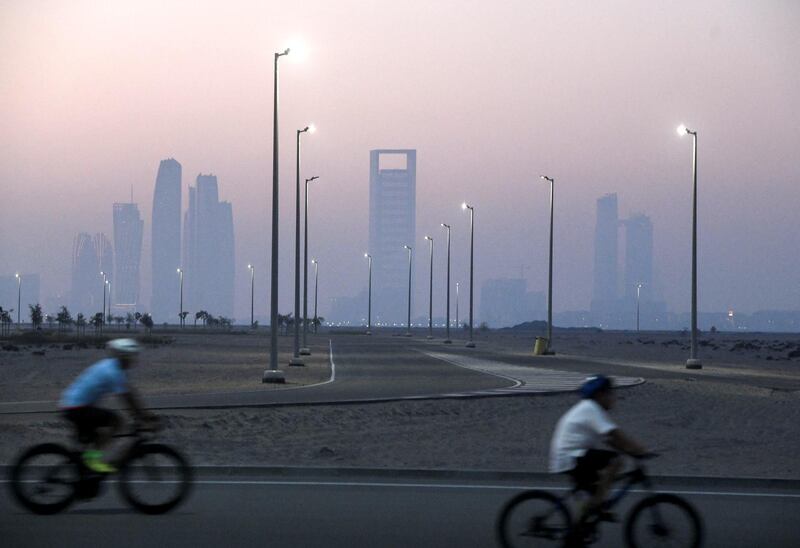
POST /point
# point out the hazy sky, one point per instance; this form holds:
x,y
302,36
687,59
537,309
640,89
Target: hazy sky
x,y
491,94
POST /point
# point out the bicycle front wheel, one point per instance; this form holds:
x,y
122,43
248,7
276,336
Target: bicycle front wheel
x,y
533,518
43,479
155,478
663,520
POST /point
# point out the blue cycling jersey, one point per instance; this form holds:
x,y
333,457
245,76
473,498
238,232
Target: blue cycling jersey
x,y
104,377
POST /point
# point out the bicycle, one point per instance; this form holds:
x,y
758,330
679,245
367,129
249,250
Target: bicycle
x,y
152,477
540,518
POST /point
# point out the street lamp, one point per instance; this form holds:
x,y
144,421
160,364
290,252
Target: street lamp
x,y
180,313
464,206
693,362
638,294
296,348
430,294
550,273
273,374
316,287
108,283
252,294
457,325
103,310
19,296
447,314
408,324
305,350
369,295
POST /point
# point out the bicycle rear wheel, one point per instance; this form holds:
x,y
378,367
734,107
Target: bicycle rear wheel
x,y
663,520
533,518
43,479
155,478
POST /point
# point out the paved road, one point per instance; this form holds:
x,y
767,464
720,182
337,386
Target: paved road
x,y
382,368
359,510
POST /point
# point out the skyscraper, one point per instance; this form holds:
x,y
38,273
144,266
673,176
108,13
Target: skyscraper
x,y
128,227
90,256
639,257
604,295
392,224
209,263
166,241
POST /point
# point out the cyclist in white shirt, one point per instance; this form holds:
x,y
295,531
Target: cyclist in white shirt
x,y
580,441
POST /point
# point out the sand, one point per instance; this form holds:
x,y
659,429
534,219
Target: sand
x,y
702,426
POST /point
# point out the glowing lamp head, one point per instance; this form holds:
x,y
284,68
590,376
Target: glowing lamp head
x,y
428,238
407,247
178,270
463,205
16,275
250,266
313,261
312,128
366,255
682,130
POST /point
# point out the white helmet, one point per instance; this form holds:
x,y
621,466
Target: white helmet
x,y
123,347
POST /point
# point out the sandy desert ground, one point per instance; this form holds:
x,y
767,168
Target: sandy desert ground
x,y
743,426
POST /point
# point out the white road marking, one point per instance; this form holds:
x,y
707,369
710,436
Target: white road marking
x,y
525,378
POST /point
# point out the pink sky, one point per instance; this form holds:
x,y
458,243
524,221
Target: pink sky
x,y
94,94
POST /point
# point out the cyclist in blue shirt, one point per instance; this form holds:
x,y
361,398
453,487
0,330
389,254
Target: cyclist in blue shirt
x,y
96,425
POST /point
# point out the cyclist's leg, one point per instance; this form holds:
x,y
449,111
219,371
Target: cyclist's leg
x,y
595,471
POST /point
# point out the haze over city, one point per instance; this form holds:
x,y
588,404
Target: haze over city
x,y
94,95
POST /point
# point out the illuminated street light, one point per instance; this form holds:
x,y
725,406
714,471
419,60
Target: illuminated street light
x,y
430,296
693,362
273,374
447,314
103,310
464,206
297,318
369,296
19,296
638,294
550,274
180,313
408,323
305,349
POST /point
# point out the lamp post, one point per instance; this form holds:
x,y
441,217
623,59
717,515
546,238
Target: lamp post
x,y
296,347
19,296
252,294
316,287
430,293
180,313
550,272
305,350
457,325
693,362
369,295
465,205
447,313
273,374
408,323
638,294
108,283
103,310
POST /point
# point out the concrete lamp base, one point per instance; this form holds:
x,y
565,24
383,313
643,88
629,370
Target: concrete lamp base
x,y
296,362
305,351
470,344
429,337
274,376
694,364
368,333
407,335
447,341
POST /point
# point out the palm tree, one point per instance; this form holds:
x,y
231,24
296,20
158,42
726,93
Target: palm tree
x,y
129,320
36,315
97,322
147,321
5,321
80,323
64,318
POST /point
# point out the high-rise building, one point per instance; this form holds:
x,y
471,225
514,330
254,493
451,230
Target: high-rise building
x,y
392,224
166,242
605,252
639,257
209,262
90,256
128,228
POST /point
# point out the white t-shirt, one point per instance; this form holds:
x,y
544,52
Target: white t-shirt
x,y
581,428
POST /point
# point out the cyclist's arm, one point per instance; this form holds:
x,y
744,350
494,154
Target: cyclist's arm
x,y
134,403
621,442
